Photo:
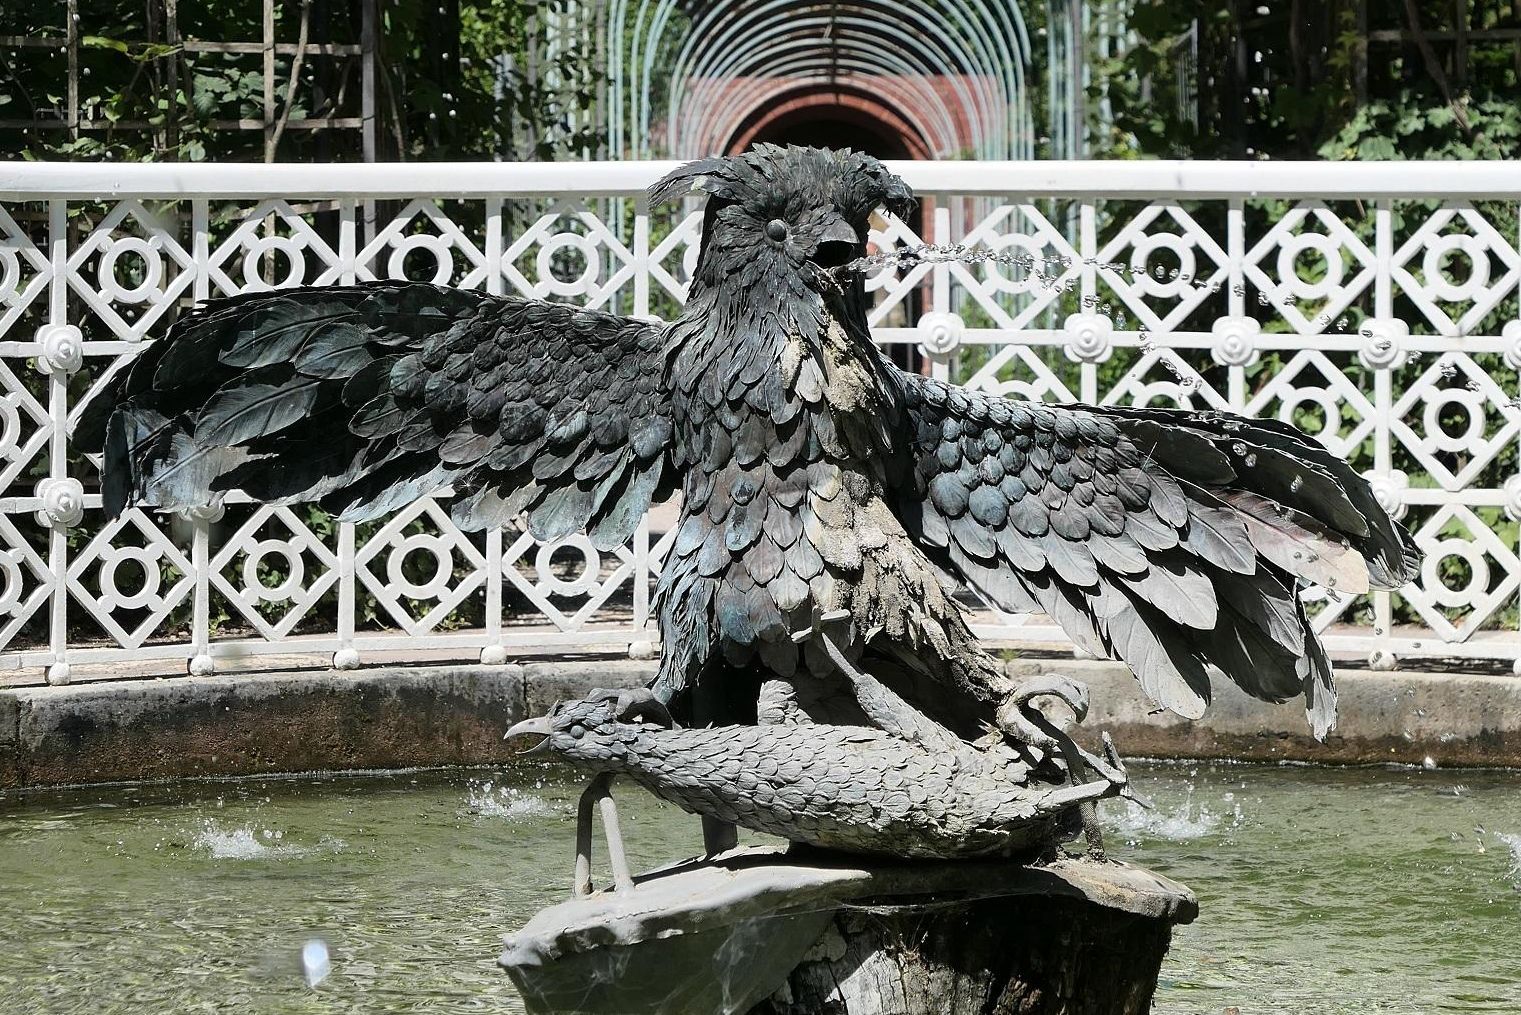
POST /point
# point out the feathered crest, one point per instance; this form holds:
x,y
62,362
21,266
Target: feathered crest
x,y
855,182
703,174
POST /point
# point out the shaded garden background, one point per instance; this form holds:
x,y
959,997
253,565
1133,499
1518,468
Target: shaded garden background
x,y
452,80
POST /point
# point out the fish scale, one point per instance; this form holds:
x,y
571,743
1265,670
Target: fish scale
x,y
839,787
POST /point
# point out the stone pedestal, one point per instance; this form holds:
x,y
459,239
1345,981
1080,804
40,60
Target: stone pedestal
x,y
759,932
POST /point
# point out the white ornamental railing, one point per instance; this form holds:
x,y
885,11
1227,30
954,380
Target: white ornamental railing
x,y
1375,304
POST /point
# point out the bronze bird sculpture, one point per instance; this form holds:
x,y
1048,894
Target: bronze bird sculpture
x,y
816,478
852,789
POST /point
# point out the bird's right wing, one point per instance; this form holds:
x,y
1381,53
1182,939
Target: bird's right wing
x,y
370,396
1165,538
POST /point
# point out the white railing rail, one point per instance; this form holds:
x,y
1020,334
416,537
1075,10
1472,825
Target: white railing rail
x,y
1377,303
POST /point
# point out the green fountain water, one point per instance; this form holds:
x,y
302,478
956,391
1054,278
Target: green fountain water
x,y
1321,891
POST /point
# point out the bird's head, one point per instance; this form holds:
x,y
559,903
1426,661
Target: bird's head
x,y
581,730
784,215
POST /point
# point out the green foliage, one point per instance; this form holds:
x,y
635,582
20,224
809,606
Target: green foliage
x,y
457,80
1201,79
1419,126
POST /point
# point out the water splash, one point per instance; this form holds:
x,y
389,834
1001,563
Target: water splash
x,y
245,842
510,802
1176,824
1513,843
315,962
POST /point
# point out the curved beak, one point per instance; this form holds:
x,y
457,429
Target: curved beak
x,y
839,231
837,244
539,727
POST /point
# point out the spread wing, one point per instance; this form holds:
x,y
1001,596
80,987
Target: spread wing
x,y
1167,538
370,396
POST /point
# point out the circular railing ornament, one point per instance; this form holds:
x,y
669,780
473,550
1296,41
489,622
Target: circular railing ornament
x,y
436,247
1513,498
208,514
587,574
585,282
1389,490
1089,338
940,332
149,251
1330,250
62,349
255,263
10,270
1433,568
1438,256
1235,341
145,561
11,582
62,503
1383,342
1512,335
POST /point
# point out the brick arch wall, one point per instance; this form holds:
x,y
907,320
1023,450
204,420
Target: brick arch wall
x,y
796,117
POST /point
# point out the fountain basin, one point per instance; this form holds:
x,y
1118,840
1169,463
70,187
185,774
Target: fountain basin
x,y
1323,891
724,935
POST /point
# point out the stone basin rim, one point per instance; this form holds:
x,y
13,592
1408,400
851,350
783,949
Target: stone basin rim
x,y
697,895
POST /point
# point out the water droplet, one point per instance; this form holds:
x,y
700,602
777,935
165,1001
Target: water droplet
x,y
1297,484
1238,449
1251,460
316,964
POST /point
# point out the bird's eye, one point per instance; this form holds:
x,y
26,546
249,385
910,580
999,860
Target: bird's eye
x,y
776,230
577,731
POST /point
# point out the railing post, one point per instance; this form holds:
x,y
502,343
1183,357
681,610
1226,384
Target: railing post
x,y
1383,656
348,242
58,446
201,663
347,657
495,284
1087,252
1235,249
641,252
940,290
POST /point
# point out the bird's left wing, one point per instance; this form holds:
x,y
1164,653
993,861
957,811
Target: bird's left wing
x,y
370,396
1166,538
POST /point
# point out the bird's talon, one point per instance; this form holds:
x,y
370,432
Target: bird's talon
x,y
640,704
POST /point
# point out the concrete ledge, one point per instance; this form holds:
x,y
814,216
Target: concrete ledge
x,y
391,717
1382,717
238,725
